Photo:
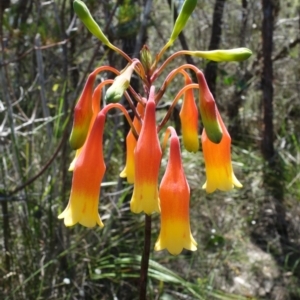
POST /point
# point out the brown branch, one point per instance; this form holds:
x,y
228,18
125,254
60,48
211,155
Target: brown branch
x,y
285,50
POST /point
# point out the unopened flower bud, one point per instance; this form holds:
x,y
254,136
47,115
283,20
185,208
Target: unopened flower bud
x,y
119,86
146,58
185,12
85,16
237,54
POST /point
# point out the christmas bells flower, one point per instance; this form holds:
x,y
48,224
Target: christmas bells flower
x,y
84,199
217,157
174,194
189,119
82,114
83,111
131,142
147,157
96,102
208,110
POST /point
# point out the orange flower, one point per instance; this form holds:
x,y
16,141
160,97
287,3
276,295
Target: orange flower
x,y
96,102
189,120
147,157
217,157
87,176
174,194
131,142
208,110
82,114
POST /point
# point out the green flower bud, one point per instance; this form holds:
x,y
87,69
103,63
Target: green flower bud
x,y
236,54
186,10
146,58
85,16
115,92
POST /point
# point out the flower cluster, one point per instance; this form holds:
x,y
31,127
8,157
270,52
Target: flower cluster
x,y
171,197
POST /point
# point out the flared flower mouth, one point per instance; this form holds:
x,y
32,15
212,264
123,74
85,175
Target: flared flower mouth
x,y
217,157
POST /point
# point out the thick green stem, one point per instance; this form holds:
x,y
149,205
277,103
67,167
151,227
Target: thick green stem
x,y
145,258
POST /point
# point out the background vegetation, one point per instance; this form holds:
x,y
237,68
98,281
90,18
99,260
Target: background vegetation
x,y
248,239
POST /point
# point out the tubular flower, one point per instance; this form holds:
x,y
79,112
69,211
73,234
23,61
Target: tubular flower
x,y
208,110
174,194
96,102
82,114
84,199
131,142
147,157
189,120
219,172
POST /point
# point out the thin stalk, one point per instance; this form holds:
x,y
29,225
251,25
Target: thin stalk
x,y
170,77
145,258
168,60
125,112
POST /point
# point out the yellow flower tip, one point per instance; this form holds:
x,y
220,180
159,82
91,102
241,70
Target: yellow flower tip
x,y
123,174
236,182
191,142
72,217
128,175
72,165
145,199
175,247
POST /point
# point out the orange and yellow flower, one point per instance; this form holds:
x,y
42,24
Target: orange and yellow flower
x,y
96,103
82,114
189,120
208,110
87,176
217,157
131,142
147,158
174,194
